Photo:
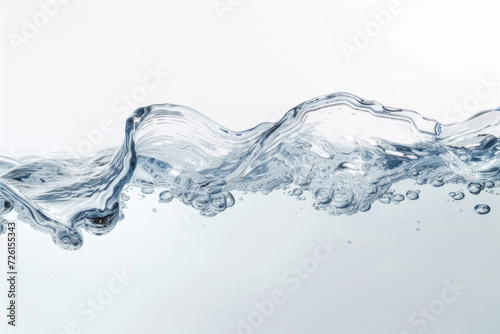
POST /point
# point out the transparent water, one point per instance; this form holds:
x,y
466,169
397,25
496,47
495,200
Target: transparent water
x,y
343,151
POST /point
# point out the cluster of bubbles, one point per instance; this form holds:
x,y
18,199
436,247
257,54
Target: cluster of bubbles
x,y
475,188
297,192
391,197
214,200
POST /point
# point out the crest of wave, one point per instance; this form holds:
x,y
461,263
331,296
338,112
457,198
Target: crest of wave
x,y
345,151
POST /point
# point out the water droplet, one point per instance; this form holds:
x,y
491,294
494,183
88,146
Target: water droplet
x,y
417,229
489,184
349,242
165,196
125,197
154,209
241,198
482,209
297,191
412,195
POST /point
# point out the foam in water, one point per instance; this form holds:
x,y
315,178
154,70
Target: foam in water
x,y
343,151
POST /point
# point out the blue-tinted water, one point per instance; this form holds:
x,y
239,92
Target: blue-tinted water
x,y
343,151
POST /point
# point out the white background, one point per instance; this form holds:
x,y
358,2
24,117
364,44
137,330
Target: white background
x,y
196,275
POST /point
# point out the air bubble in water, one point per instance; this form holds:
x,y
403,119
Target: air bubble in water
x,y
125,197
165,196
218,202
323,196
229,198
208,213
474,188
482,209
412,195
385,199
398,198
459,195
148,191
438,183
297,191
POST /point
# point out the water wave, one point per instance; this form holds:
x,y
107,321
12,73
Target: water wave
x,y
345,151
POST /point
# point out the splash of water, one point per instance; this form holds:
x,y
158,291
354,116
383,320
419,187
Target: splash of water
x,y
345,151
